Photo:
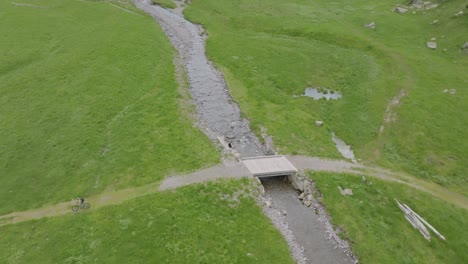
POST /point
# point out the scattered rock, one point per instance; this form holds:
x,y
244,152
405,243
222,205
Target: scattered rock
x,y
318,123
435,22
307,203
453,91
465,47
460,13
400,10
301,196
371,25
433,39
346,191
268,204
431,45
310,197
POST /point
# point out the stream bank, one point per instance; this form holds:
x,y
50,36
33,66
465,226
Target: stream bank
x,y
219,117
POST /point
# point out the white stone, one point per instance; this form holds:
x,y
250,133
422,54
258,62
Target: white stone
x,y
318,123
301,196
371,25
431,45
400,10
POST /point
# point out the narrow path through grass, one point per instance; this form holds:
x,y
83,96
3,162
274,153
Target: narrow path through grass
x,y
112,197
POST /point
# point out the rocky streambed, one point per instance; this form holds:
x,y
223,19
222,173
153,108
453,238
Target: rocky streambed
x,y
219,117
218,114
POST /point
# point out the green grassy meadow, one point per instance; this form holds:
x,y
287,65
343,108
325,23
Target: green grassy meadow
x,y
270,51
88,101
191,225
377,229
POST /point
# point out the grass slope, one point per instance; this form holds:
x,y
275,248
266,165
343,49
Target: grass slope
x,y
271,50
192,225
377,228
165,3
88,100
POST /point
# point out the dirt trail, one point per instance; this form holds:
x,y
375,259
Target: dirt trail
x,y
340,166
113,197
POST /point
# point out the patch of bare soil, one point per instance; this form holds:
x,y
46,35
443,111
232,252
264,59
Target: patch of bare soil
x,y
390,110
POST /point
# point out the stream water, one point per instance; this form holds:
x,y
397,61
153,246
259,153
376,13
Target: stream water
x,y
219,117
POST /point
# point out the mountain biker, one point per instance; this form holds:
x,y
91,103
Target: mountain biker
x,y
80,201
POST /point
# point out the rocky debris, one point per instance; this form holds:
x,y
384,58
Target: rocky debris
x,y
431,45
268,142
434,22
416,5
371,25
301,196
465,47
460,13
451,91
346,191
433,39
400,10
318,123
308,189
218,115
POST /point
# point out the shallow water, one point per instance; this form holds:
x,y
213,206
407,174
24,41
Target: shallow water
x,y
316,94
305,224
343,148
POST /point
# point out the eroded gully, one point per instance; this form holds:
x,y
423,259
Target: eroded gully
x,y
219,117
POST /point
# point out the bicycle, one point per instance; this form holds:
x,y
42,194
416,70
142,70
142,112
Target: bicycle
x,y
77,207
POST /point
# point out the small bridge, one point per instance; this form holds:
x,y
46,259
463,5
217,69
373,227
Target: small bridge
x,y
269,166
